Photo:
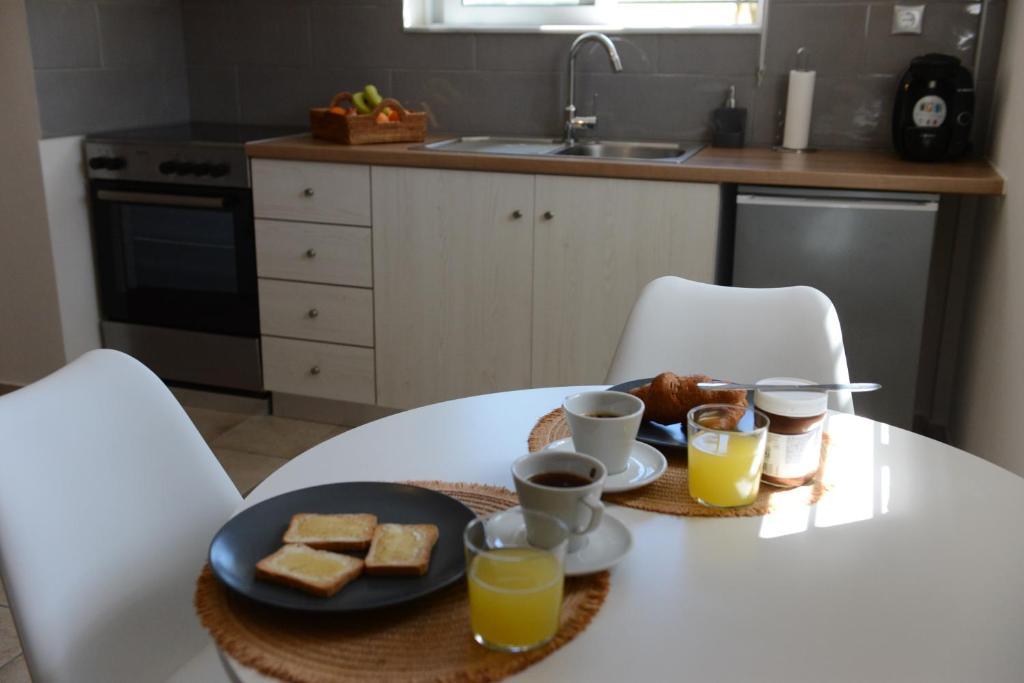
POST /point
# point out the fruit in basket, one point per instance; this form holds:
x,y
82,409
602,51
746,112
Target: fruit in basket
x,y
371,95
381,117
342,111
359,100
393,115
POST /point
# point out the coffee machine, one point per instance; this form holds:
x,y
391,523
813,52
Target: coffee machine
x,y
934,110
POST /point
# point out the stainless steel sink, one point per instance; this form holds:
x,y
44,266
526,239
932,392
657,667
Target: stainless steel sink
x,y
619,151
647,151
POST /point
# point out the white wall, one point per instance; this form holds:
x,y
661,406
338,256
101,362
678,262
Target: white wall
x,y
990,409
67,208
31,344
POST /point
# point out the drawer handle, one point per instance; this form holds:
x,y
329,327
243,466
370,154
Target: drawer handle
x,y
311,253
517,214
548,215
308,192
313,313
315,370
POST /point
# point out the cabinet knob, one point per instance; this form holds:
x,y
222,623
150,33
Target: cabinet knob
x,y
548,215
313,313
310,253
308,192
517,214
315,370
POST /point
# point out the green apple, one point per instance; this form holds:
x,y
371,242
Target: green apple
x,y
359,100
373,97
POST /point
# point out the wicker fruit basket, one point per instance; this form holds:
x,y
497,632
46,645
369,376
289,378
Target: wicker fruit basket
x,y
363,129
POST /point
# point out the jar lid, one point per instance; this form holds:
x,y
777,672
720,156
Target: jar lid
x,y
791,403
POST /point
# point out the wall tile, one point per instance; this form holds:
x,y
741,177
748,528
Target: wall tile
x,y
853,112
350,36
992,39
709,55
981,130
213,94
509,103
63,34
140,35
834,36
949,28
767,112
658,106
209,38
550,53
80,101
249,33
283,95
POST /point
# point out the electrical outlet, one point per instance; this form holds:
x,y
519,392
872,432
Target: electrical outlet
x,y
907,19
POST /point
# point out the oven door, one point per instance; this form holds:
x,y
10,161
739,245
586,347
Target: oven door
x,y
176,256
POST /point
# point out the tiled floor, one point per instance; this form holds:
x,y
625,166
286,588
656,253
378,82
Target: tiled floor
x,y
249,447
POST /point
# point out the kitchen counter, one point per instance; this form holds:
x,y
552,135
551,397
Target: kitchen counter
x,y
849,169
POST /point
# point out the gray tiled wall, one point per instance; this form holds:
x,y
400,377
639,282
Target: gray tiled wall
x,y
105,64
268,61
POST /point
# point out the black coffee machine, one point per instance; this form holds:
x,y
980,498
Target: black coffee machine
x,y
934,110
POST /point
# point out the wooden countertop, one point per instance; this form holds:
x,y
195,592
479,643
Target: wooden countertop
x,y
849,169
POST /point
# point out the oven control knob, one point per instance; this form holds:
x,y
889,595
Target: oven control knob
x,y
186,167
107,163
168,167
219,170
203,169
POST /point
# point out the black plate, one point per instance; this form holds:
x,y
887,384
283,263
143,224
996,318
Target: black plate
x,y
672,435
256,532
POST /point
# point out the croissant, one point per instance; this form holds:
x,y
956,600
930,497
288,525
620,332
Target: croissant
x,y
669,397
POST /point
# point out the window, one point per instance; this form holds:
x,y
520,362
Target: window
x,y
580,15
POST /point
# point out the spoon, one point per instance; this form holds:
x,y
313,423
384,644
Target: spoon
x,y
856,386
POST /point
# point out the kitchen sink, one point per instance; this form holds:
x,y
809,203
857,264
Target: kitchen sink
x,y
619,151
630,150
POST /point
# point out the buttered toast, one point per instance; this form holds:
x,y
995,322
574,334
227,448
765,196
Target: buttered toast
x,y
401,549
318,572
332,532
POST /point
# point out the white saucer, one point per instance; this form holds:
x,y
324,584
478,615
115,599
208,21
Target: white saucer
x,y
646,465
602,549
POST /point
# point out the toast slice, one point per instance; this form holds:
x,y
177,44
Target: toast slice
x,y
318,572
401,549
331,532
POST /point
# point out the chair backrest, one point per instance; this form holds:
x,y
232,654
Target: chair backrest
x,y
108,500
733,333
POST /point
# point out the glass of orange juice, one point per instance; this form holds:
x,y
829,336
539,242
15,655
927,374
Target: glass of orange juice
x,y
515,584
725,448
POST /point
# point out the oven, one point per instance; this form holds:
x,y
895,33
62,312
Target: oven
x,y
175,252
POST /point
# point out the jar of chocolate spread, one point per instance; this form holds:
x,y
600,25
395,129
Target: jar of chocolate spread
x,y
797,418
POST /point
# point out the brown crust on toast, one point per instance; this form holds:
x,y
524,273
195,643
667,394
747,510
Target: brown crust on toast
x,y
292,535
416,565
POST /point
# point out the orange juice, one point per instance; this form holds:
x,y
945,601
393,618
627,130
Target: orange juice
x,y
515,595
725,469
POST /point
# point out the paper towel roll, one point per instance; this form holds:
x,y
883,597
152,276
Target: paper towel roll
x,y
798,109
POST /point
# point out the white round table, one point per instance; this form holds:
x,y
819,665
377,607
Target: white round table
x,y
911,570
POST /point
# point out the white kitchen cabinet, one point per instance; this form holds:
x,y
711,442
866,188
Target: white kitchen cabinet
x,y
307,368
314,252
597,243
452,259
300,310
311,191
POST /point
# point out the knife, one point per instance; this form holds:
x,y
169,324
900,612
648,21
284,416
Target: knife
x,y
723,386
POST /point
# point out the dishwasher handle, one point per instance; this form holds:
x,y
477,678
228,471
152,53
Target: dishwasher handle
x,y
813,203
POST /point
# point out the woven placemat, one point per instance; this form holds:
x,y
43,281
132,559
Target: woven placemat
x,y
427,640
671,493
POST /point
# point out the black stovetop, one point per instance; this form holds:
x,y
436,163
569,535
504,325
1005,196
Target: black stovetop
x,y
198,132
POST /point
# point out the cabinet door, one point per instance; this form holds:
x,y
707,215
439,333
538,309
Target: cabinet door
x,y
452,260
604,240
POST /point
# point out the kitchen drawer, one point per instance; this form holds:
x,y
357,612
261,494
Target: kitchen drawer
x,y
342,315
311,191
343,373
331,254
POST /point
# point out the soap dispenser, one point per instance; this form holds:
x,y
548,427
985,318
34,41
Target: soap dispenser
x,y
728,123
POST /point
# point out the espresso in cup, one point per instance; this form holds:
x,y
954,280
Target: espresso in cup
x,y
563,484
604,424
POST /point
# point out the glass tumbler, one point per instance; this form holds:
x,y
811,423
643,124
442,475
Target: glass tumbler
x,y
515,585
725,447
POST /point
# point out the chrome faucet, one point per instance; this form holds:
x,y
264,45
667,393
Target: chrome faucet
x,y
574,123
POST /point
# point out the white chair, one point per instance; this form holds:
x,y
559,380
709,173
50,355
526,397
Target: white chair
x,y
733,333
108,501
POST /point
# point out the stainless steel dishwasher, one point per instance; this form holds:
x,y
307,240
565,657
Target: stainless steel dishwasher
x,y
871,253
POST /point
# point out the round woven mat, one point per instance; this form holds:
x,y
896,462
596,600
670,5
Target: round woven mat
x,y
671,493
427,640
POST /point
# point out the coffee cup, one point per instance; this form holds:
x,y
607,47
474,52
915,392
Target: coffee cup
x,y
565,485
604,425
